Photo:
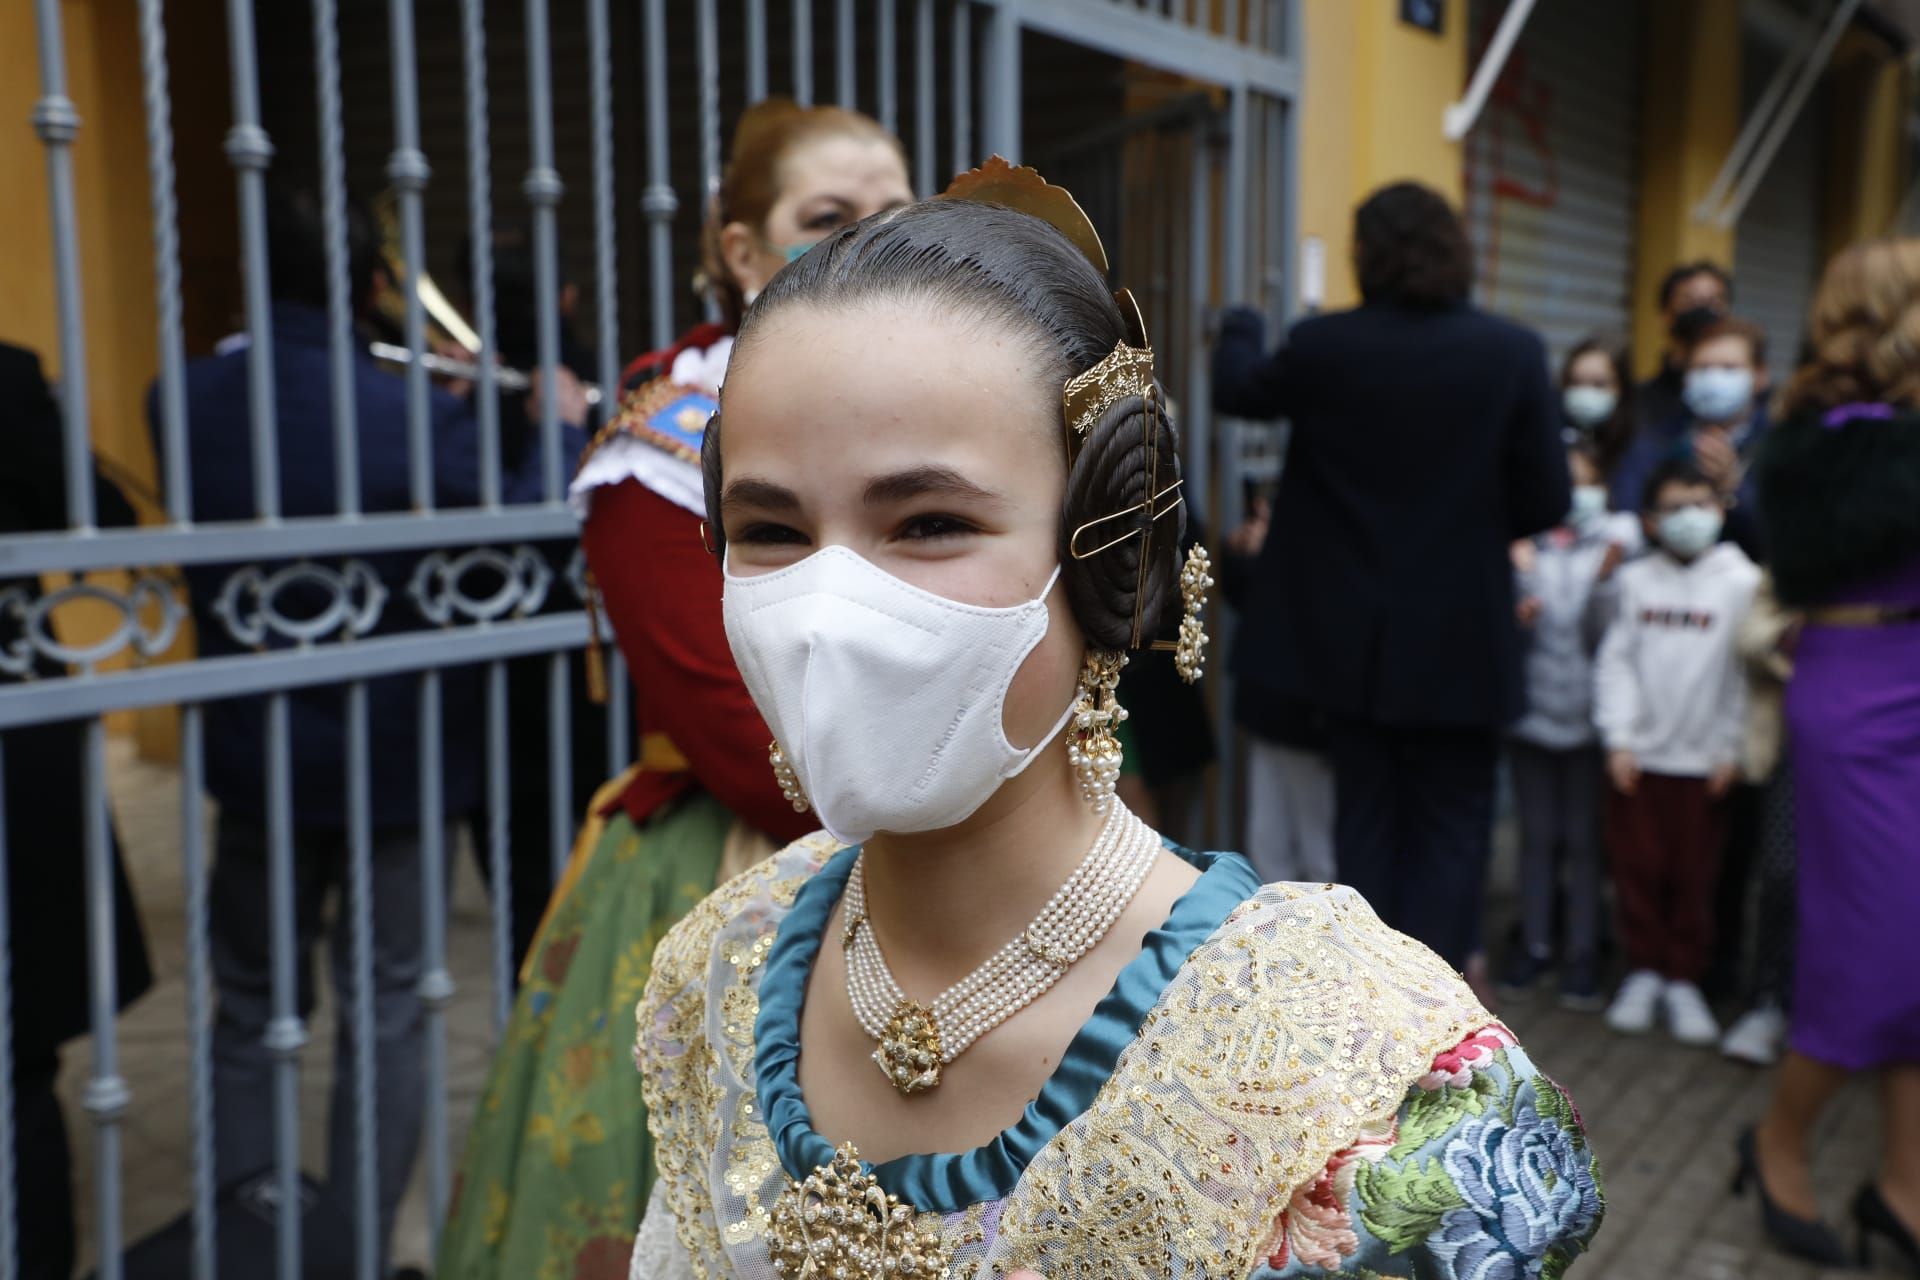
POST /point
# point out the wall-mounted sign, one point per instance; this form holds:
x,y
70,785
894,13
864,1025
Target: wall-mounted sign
x,y
1428,15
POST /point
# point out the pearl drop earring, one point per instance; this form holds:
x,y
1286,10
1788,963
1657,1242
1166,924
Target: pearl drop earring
x,y
1093,743
789,780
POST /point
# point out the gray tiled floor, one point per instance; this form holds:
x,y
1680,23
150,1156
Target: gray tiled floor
x,y
1662,1118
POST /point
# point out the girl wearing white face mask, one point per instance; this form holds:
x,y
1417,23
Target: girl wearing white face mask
x,y
1596,396
1564,594
1007,1001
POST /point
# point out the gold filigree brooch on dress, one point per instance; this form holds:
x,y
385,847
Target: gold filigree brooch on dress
x,y
840,1225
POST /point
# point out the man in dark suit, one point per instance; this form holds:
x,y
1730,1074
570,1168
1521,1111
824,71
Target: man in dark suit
x,y
1425,441
220,448
44,803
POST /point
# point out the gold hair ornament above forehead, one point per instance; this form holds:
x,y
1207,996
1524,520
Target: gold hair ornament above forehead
x,y
1087,397
1018,187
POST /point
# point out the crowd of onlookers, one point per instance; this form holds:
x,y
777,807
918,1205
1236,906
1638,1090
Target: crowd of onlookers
x,y
1685,613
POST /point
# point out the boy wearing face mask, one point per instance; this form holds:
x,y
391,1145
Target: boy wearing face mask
x,y
1563,589
1670,705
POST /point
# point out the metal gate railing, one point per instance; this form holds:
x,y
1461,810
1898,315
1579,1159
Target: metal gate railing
x,y
1229,207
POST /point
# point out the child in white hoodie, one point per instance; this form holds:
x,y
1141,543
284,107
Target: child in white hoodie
x,y
1670,704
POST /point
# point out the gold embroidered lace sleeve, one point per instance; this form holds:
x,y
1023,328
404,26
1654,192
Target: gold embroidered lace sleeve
x,y
1299,1023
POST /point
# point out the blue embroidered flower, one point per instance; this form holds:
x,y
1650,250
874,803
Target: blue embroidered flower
x,y
1527,1187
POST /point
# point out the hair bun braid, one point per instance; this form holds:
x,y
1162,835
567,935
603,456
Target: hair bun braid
x,y
1108,477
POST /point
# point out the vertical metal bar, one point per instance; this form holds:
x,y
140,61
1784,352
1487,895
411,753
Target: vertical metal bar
x,y
366,1185
925,145
886,34
658,201
1199,461
285,1033
193,869
1282,167
963,86
408,173
436,984
619,748
333,195
559,763
249,151
106,1095
1002,89
56,121
846,75
473,39
605,262
499,864
756,50
166,261
803,52
1228,501
543,189
708,40
1200,417
9,1168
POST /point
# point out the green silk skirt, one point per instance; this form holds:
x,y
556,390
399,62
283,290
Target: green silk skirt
x,y
559,1161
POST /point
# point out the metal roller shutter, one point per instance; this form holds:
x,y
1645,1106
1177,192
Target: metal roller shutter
x,y
1777,247
1552,172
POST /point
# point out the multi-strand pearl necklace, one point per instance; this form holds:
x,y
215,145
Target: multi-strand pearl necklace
x,y
914,1041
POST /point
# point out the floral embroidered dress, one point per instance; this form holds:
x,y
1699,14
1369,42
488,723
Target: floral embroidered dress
x,y
1277,1086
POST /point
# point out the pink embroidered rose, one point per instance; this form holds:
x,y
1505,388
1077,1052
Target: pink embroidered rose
x,y
1316,1226
1454,1068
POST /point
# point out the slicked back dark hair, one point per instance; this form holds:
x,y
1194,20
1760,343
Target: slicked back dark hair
x,y
1409,248
998,267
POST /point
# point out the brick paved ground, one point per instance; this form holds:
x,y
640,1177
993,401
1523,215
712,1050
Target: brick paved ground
x,y
1663,1118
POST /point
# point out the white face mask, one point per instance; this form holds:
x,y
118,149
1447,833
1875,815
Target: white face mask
x,y
1691,530
1589,505
1589,406
886,699
1718,394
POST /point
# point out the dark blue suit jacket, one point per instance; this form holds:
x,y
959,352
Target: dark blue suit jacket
x,y
221,461
1424,443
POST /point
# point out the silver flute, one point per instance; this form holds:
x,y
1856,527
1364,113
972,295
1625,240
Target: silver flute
x,y
504,378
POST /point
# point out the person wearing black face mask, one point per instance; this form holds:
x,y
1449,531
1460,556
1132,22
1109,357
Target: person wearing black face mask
x,y
1692,296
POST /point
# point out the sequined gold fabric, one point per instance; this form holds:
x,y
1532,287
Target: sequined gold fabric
x,y
1300,1022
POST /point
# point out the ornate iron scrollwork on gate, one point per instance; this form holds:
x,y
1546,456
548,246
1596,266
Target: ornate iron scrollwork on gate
x,y
437,591
33,616
251,607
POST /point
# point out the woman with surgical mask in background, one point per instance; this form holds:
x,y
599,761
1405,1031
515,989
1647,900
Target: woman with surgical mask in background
x,y
1597,397
988,1019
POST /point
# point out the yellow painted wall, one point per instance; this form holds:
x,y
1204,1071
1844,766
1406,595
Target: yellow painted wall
x,y
1689,118
1371,106
1866,172
115,230
110,179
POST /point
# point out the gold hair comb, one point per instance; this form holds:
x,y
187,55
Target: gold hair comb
x,y
1001,182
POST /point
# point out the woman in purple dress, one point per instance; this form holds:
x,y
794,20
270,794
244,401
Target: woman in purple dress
x,y
1840,497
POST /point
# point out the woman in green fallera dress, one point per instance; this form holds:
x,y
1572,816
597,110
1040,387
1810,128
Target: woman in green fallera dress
x,y
559,1161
